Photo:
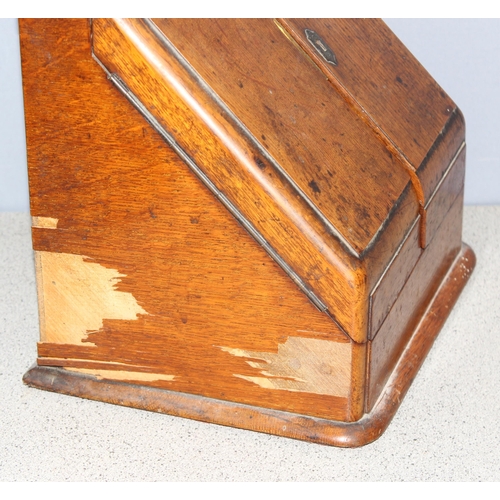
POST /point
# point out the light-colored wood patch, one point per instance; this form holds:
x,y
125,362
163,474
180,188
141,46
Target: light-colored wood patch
x,y
122,375
75,295
302,365
44,222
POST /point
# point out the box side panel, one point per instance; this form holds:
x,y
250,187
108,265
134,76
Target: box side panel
x,y
245,78
390,285
243,174
143,275
389,343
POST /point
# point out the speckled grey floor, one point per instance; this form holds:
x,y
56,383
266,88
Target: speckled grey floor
x,y
446,429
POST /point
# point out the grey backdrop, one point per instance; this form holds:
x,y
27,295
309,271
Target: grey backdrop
x,y
461,54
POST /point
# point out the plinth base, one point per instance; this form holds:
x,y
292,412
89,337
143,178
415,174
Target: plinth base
x,y
280,423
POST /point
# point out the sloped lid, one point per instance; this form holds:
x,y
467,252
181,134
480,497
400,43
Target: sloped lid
x,y
345,141
309,130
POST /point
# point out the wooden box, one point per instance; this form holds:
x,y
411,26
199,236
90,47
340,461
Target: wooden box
x,y
255,223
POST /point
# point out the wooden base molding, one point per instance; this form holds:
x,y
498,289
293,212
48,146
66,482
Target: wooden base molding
x,y
281,423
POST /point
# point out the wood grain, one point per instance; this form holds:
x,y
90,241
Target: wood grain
x,y
153,295
220,123
44,222
384,79
409,308
343,434
216,143
308,128
124,200
304,365
387,290
78,295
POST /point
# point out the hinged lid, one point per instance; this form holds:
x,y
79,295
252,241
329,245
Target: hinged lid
x,y
311,132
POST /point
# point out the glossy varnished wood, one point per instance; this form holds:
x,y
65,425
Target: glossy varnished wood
x,y
123,200
297,118
290,115
215,141
409,308
383,78
152,291
396,276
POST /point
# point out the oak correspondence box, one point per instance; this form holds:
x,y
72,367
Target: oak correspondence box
x,y
255,223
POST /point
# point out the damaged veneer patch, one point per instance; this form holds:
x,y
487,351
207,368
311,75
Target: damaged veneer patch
x,y
302,365
124,375
76,295
44,222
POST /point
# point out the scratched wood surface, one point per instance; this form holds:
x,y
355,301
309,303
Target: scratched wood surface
x,y
384,78
410,306
337,159
306,126
384,295
344,434
145,278
142,274
240,169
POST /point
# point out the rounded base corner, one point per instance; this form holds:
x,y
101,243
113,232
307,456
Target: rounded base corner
x,y
328,432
